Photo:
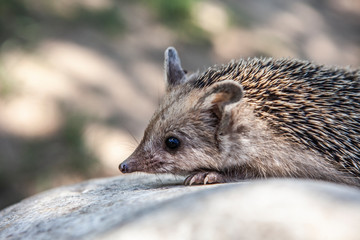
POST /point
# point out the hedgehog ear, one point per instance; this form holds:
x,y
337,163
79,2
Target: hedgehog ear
x,y
174,74
222,94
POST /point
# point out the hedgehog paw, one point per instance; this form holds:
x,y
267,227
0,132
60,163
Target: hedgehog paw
x,y
200,178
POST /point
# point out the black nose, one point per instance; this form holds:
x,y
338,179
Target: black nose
x,y
123,168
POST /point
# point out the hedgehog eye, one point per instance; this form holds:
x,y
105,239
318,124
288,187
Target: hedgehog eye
x,y
172,142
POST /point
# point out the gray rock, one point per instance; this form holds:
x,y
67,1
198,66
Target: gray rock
x,y
159,207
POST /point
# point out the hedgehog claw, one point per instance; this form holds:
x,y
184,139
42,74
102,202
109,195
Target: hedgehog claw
x,y
204,178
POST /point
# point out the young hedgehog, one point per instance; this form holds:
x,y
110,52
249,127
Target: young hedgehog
x,y
257,118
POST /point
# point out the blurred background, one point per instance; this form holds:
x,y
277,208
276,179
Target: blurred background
x,y
80,79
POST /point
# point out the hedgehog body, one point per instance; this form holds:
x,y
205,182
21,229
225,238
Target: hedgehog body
x,y
255,118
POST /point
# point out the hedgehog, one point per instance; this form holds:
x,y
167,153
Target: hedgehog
x,y
254,119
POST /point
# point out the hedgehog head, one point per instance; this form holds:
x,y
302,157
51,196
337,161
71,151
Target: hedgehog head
x,y
184,133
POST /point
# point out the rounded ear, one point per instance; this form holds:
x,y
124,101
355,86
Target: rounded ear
x,y
174,74
221,94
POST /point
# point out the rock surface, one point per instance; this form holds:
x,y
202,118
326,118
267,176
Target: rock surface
x,y
160,207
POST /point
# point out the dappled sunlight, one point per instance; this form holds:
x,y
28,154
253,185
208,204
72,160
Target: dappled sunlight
x,y
144,70
320,43
68,7
77,61
110,145
90,69
34,76
29,117
264,41
211,16
296,29
233,43
349,6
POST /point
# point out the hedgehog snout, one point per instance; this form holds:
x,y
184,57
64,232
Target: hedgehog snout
x,y
131,164
128,166
123,167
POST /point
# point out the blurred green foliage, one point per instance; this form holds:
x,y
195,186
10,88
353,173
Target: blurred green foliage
x,y
67,150
177,14
108,20
80,158
23,25
239,17
45,159
6,85
17,21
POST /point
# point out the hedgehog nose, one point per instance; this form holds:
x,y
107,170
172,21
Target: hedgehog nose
x,y
123,167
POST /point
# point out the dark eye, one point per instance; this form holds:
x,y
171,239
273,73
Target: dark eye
x,y
172,142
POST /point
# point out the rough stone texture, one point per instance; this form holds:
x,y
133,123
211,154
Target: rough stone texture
x,y
159,207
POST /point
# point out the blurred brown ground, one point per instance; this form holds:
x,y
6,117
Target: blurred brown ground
x,y
79,79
